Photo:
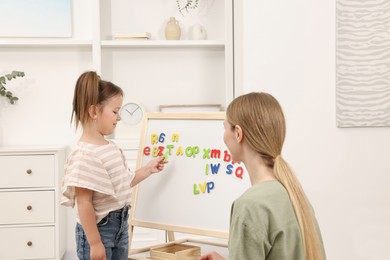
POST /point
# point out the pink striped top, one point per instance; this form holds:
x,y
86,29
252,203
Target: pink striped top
x,y
103,169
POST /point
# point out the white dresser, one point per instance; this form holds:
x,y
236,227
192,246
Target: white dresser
x,y
32,223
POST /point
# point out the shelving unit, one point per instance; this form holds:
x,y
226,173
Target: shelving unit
x,y
194,71
154,72
205,69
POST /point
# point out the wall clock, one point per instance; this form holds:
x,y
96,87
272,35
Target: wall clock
x,y
132,114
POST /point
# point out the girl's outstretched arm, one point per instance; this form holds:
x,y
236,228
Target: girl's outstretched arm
x,y
154,166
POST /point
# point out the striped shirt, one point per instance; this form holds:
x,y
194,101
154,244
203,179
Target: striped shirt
x,y
102,169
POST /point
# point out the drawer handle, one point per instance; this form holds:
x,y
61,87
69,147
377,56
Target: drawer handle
x,y
29,243
29,207
29,171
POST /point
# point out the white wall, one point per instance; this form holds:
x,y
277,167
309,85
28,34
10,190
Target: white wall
x,y
42,114
289,51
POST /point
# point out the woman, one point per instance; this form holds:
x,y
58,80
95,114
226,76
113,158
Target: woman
x,y
273,219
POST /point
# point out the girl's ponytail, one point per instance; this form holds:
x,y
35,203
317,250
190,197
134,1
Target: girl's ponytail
x,y
86,94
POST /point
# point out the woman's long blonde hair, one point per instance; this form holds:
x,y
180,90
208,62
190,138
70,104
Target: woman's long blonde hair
x,y
263,124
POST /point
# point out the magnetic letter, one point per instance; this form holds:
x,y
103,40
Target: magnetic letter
x,y
147,150
239,172
206,153
189,151
170,147
214,168
203,187
179,151
153,139
215,153
196,191
175,138
195,150
227,157
161,139
155,151
229,169
210,186
166,155
160,150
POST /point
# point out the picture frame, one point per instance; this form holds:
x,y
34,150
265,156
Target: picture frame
x,y
39,18
191,108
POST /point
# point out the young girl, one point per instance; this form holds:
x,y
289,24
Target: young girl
x,y
97,178
273,219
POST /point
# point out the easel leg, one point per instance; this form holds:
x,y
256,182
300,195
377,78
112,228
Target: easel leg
x,y
131,231
171,236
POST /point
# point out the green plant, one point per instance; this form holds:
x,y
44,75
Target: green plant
x,y
3,90
189,5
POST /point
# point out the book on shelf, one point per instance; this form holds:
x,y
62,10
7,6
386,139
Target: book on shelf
x,y
132,36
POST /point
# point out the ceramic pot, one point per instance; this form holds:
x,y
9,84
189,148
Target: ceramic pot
x,y
172,29
198,32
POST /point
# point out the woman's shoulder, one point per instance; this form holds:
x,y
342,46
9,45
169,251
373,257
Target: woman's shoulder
x,y
266,195
265,189
268,201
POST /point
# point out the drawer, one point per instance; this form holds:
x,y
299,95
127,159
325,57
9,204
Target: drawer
x,y
26,171
32,207
27,243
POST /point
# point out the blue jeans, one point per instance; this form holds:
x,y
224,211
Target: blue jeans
x,y
114,233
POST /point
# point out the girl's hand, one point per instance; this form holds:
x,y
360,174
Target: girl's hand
x,y
157,165
212,256
154,166
98,252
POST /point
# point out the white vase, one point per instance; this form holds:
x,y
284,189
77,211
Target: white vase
x,y
198,32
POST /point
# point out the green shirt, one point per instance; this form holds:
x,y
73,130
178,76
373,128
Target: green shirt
x,y
263,225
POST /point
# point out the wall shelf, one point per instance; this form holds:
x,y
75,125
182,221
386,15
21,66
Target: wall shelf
x,y
45,43
163,43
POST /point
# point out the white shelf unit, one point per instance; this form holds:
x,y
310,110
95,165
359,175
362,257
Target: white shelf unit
x,y
187,71
161,72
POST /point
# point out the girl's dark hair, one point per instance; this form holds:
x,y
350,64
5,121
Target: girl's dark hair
x,y
89,91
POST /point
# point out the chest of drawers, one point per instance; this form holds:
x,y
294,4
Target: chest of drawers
x,y
32,223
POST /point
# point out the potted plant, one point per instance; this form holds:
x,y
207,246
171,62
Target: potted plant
x,y
188,5
3,90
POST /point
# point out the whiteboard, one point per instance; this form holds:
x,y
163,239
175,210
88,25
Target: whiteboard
x,y
195,191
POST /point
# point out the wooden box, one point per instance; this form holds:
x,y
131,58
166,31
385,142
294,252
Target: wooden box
x,y
175,252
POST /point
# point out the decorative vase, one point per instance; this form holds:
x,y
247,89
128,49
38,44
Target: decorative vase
x,y
172,29
198,32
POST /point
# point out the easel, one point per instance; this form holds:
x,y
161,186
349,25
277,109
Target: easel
x,y
171,229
